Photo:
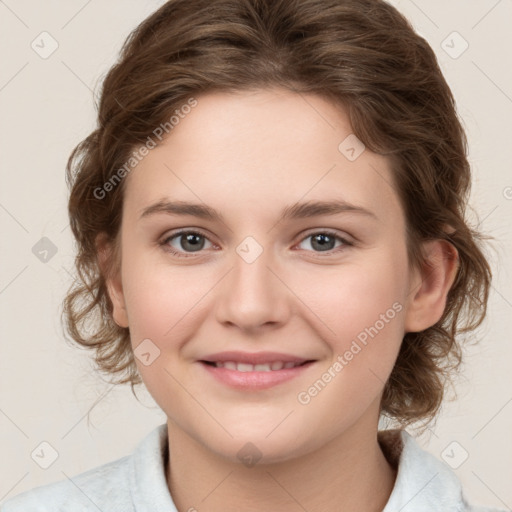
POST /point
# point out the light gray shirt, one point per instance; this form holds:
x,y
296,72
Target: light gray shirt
x,y
137,482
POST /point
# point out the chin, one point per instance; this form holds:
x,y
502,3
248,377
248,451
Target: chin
x,y
262,444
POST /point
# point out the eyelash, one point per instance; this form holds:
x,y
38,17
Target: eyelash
x,y
164,243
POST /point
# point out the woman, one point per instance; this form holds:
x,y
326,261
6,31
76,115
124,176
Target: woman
x,y
271,237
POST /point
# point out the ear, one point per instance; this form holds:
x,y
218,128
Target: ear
x,y
111,271
430,285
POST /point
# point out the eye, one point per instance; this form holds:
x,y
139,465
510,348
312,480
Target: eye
x,y
184,241
324,241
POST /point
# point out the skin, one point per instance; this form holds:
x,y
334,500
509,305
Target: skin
x,y
248,155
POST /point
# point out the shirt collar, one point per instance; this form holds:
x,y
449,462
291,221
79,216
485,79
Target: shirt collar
x,y
423,482
148,483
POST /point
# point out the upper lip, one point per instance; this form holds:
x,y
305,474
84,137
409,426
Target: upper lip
x,y
253,358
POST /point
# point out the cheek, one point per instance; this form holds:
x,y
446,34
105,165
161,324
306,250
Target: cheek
x,y
156,295
364,309
356,297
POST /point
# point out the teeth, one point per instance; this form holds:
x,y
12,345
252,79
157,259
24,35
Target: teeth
x,y
242,367
265,367
261,367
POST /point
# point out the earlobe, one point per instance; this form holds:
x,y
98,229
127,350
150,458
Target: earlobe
x,y
429,290
115,292
111,272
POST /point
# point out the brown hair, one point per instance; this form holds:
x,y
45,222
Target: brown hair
x,y
361,54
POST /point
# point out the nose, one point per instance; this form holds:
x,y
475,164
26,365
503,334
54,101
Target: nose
x,y
253,295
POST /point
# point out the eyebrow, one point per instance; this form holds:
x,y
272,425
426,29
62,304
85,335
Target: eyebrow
x,y
295,211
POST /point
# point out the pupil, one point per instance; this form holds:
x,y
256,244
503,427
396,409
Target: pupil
x,y
324,241
189,239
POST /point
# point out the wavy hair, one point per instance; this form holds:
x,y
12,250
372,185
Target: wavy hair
x,y
360,54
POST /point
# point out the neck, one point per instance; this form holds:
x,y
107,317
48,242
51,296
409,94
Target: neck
x,y
348,473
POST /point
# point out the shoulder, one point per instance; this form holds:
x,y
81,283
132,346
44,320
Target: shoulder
x,y
94,490
423,482
118,485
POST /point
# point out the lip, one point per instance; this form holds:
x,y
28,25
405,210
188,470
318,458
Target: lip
x,y
255,380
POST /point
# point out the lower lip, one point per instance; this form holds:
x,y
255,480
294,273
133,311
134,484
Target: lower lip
x,y
255,380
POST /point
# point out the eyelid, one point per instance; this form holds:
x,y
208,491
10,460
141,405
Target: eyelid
x,y
344,237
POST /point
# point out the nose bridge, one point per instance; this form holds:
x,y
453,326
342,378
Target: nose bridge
x,y
252,294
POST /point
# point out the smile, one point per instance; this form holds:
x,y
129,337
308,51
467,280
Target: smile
x,y
254,377
262,367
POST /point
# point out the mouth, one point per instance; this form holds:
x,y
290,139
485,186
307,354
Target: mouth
x,y
260,367
244,376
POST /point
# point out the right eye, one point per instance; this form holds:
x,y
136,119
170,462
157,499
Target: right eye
x,y
184,241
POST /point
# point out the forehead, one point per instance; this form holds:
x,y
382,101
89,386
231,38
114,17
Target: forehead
x,y
260,149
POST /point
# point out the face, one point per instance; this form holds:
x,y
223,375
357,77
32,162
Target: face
x,y
257,269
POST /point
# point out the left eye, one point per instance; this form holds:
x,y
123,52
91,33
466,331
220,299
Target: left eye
x,y
324,241
185,242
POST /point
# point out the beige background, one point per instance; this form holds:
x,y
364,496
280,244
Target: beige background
x,y
48,390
